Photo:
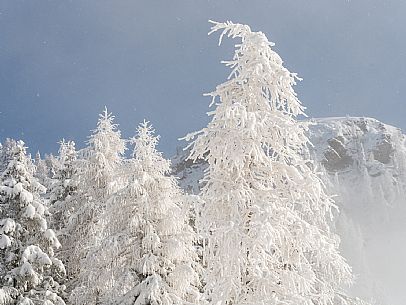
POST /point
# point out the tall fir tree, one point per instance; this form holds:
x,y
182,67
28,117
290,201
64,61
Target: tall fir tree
x,y
29,272
41,170
64,187
265,213
6,153
98,177
63,200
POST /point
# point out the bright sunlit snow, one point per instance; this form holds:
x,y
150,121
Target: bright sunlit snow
x,y
262,205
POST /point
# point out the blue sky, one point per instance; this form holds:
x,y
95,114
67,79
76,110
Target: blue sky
x,y
61,62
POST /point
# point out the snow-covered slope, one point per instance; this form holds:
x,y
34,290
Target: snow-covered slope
x,y
363,162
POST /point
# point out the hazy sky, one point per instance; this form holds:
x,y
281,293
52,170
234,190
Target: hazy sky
x,y
62,61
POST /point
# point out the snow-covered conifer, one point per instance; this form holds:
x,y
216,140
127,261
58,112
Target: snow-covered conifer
x,y
149,255
98,176
41,170
29,272
103,156
265,212
46,169
6,153
64,185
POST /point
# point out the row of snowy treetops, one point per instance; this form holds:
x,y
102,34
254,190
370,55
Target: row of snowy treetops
x,y
92,227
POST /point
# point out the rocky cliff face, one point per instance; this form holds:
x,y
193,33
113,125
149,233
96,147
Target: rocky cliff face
x,y
363,163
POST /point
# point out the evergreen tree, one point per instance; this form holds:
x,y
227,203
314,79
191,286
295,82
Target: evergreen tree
x,y
265,212
149,255
46,170
98,178
65,185
6,153
63,200
29,272
41,170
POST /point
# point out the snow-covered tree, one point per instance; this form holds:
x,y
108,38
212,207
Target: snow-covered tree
x,y
46,169
149,255
102,157
41,170
97,177
29,272
6,153
64,186
265,213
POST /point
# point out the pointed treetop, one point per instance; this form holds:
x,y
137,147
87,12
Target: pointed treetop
x,y
145,141
107,137
63,144
256,65
66,149
106,122
145,149
105,114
